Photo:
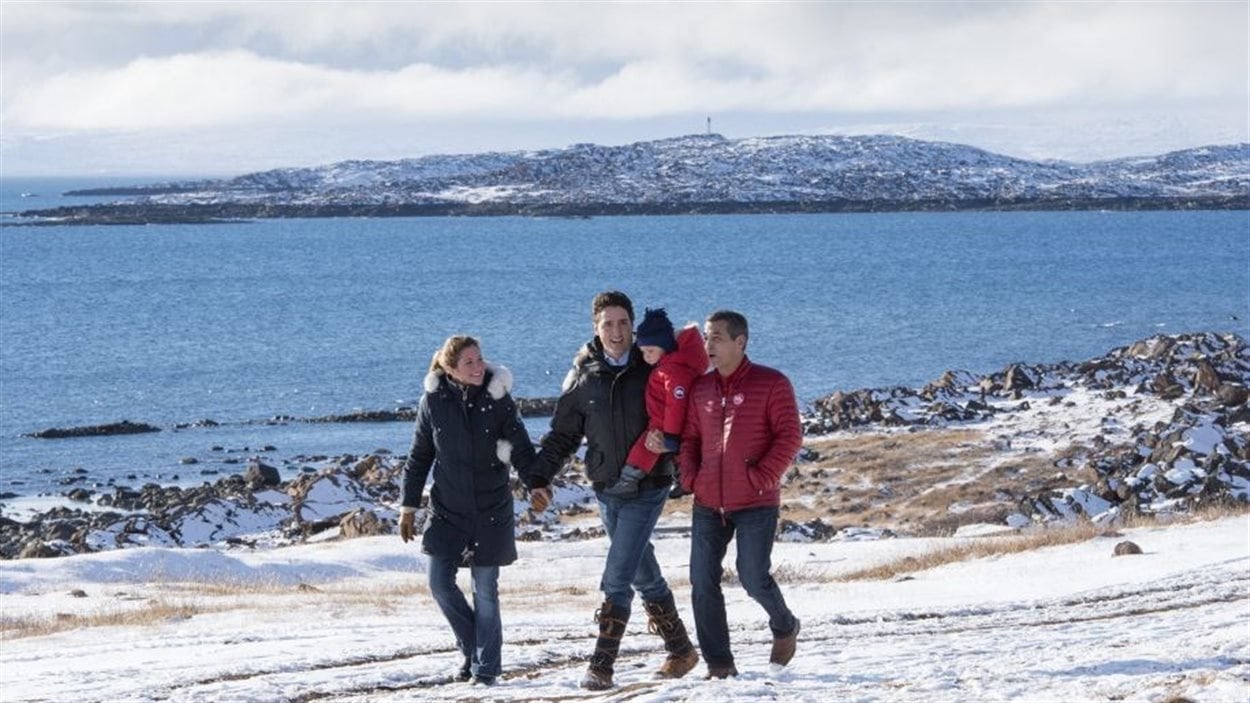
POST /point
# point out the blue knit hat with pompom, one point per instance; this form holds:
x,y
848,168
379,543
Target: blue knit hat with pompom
x,y
656,331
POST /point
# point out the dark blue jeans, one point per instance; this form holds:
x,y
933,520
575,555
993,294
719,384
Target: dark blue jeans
x,y
478,630
755,528
631,562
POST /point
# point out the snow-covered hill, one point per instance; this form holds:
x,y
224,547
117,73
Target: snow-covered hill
x,y
712,169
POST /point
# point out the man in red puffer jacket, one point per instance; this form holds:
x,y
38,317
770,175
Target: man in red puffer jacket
x,y
741,434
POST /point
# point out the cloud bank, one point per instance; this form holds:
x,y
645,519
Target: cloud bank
x,y
199,67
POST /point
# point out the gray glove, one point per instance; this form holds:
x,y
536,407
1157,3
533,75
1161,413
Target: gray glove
x,y
627,485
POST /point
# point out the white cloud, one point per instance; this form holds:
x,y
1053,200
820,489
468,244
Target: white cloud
x,y
97,67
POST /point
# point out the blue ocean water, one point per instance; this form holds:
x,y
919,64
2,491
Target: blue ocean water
x,y
243,322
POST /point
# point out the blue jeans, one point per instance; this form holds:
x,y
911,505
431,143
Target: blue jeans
x,y
478,630
710,537
631,562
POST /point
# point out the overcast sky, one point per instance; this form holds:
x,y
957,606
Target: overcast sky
x,y
174,88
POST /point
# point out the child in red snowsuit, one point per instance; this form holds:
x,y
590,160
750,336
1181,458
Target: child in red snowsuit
x,y
678,360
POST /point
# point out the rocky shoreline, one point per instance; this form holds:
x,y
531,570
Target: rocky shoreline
x,y
1156,426
528,407
1166,424
227,212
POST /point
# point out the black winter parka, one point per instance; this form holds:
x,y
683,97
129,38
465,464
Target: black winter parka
x,y
468,435
605,404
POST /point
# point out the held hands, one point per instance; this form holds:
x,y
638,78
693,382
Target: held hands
x,y
655,442
540,498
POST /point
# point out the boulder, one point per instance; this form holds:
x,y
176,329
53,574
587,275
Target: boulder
x,y
38,549
363,522
1232,394
260,474
1126,548
1166,387
326,496
1017,378
1205,377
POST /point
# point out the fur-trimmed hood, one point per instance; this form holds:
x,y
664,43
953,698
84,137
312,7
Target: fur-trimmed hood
x,y
498,383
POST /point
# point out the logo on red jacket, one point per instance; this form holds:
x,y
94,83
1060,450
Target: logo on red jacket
x,y
679,392
739,398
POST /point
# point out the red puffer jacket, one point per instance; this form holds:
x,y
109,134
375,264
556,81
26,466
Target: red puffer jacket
x,y
740,438
668,391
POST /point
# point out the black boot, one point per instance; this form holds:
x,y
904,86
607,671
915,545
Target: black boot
x,y
664,620
612,623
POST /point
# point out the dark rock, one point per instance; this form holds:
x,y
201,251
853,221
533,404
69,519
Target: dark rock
x,y
989,386
363,523
815,530
402,414
38,549
1205,376
116,428
1153,348
1166,387
261,474
1232,394
1017,378
1126,548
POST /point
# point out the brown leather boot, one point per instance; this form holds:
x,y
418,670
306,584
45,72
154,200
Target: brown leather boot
x,y
664,620
612,623
784,646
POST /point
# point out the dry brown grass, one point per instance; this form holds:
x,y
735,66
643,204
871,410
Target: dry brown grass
x,y
184,599
927,482
905,481
991,546
153,612
981,548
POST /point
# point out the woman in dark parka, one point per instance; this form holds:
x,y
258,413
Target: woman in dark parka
x,y
468,431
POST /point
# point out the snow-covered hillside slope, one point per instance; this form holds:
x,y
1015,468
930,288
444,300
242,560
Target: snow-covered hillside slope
x,y
712,169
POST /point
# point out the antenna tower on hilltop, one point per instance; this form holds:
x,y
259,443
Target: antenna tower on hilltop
x,y
709,125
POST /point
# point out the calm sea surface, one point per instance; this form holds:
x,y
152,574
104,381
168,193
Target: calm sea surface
x,y
242,322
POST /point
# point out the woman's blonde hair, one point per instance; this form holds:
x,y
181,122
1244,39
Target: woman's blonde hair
x,y
448,355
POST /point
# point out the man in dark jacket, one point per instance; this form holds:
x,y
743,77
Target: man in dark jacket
x,y
741,435
603,401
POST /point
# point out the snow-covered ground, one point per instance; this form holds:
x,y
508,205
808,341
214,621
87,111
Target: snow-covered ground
x,y
351,621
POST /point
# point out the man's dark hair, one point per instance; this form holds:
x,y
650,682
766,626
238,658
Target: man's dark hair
x,y
735,322
608,299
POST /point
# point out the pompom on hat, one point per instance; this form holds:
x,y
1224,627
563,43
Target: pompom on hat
x,y
655,330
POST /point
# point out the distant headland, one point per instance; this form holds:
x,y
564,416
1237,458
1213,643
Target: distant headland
x,y
695,174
